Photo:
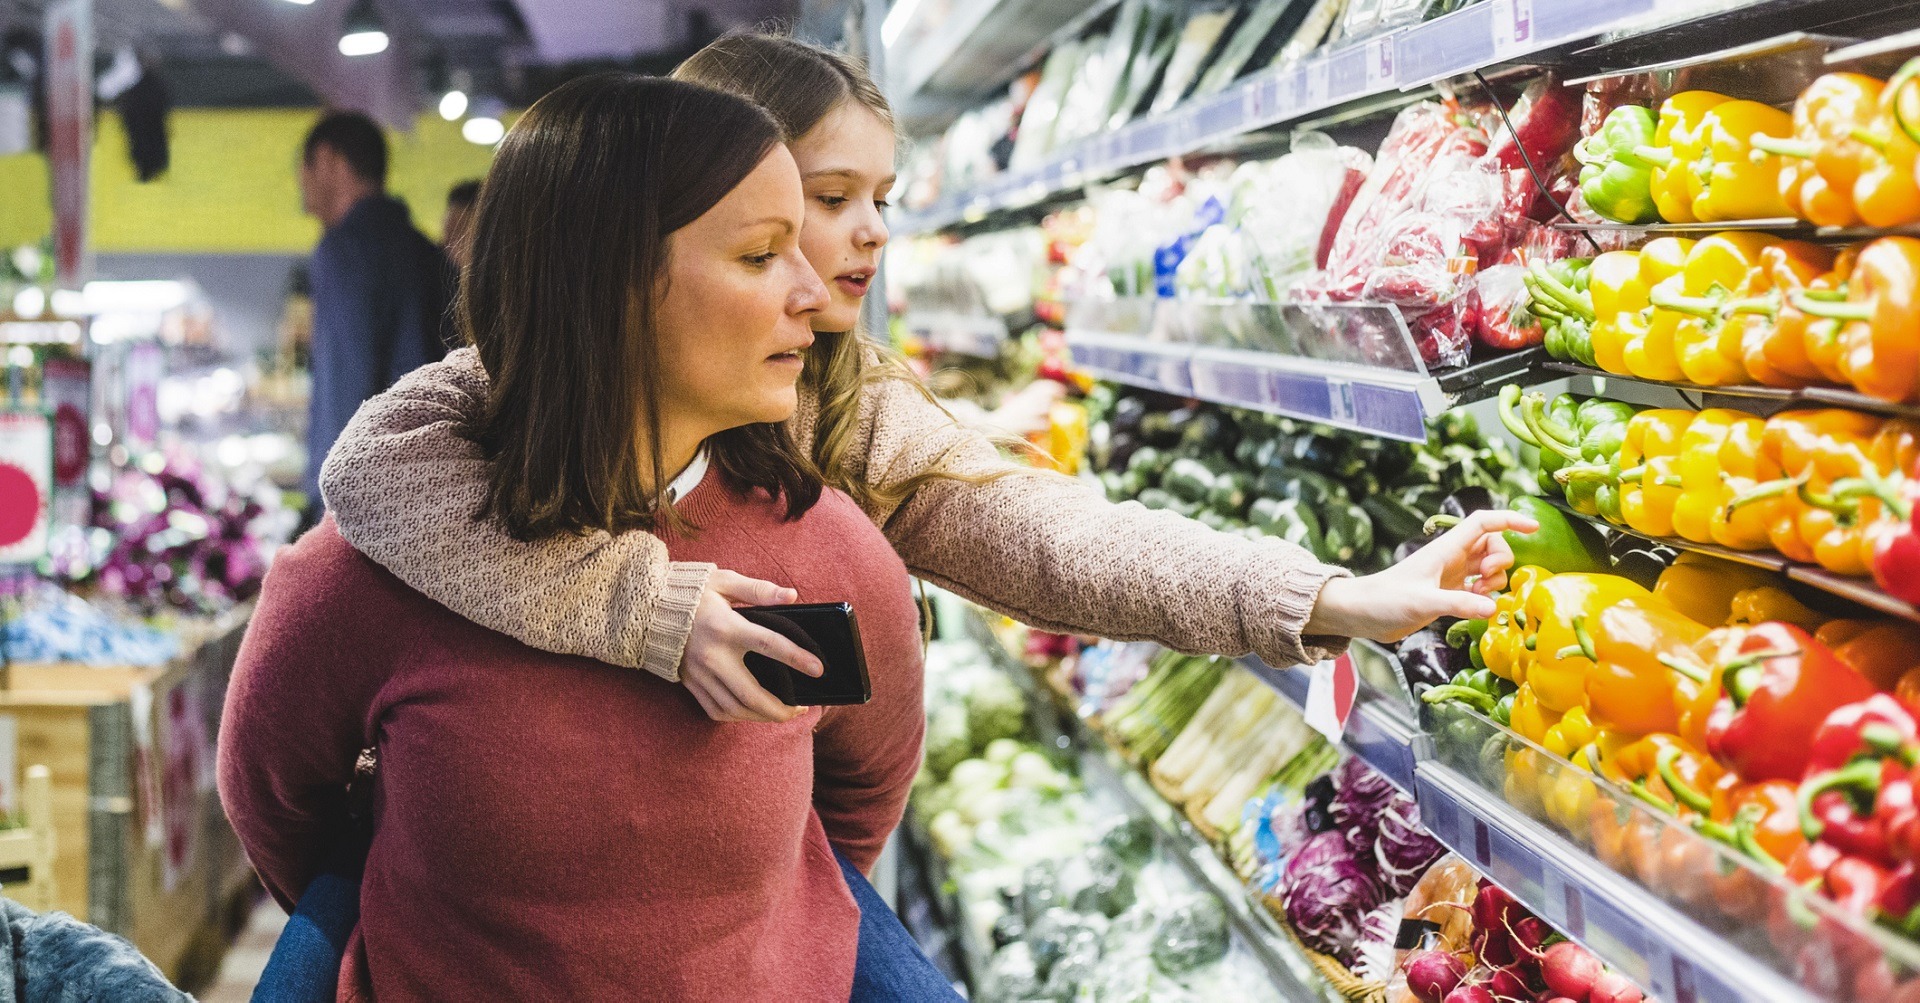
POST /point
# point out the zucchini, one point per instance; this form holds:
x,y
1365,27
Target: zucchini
x,y
1190,509
1318,452
1214,519
1316,489
1127,414
1247,452
1133,482
1346,531
1393,520
1156,429
1230,493
1188,480
1149,461
1155,498
1114,484
1210,432
1292,521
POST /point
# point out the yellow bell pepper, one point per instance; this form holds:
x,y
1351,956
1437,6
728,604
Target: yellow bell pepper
x,y
1630,688
1649,469
1567,735
1739,180
1564,607
1526,769
1648,352
1613,282
1704,588
1720,269
1772,603
1679,141
1503,646
1528,719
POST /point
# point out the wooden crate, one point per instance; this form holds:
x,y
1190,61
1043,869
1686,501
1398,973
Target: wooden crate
x,y
143,848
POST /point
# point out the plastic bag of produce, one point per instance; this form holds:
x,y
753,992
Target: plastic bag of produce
x,y
1286,207
1011,975
1208,20
1194,934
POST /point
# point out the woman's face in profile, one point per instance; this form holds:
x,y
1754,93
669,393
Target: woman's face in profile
x,y
737,311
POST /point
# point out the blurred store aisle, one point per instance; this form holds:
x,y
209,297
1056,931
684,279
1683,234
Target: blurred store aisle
x,y
248,957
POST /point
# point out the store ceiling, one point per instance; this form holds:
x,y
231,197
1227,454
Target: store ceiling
x,y
255,52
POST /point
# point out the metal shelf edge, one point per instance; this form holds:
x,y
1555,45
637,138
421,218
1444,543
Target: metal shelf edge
x,y
1634,932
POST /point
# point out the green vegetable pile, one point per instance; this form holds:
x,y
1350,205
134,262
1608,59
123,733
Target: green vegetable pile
x,y
1349,499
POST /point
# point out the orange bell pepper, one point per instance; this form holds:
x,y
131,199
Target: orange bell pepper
x,y
1820,336
1883,653
1880,342
1825,158
1775,352
1886,193
1629,688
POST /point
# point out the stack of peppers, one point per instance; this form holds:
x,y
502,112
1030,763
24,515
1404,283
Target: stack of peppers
x,y
1827,487
1845,156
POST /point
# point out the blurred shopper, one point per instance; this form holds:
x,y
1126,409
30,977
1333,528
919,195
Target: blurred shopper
x,y
456,228
379,285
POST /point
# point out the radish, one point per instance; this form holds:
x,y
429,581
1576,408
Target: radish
x,y
1508,984
1571,970
1469,994
1561,999
1433,974
1494,947
1613,987
1494,909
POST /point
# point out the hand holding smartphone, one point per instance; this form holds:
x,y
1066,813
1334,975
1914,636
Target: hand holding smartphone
x,y
832,634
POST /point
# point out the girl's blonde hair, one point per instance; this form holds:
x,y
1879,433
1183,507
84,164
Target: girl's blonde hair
x,y
800,85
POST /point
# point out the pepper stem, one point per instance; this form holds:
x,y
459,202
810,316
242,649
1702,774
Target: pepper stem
x,y
1584,645
1832,311
1460,694
1742,676
1658,156
1860,777
1437,524
1557,291
1510,395
1781,146
1886,740
1696,306
1532,411
1640,790
1584,472
1682,791
1693,672
1761,492
1461,633
1865,137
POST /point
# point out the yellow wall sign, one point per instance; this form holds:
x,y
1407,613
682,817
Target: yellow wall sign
x,y
232,186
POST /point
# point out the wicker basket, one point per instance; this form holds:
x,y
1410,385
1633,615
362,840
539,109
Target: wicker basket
x,y
1343,981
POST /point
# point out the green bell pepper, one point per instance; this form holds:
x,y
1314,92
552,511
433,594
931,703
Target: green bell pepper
x,y
1561,545
1614,180
1557,294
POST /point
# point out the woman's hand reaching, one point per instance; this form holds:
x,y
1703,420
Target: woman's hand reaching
x,y
714,666
1452,576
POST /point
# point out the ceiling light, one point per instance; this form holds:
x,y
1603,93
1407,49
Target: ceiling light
x,y
302,3
896,21
30,302
363,33
483,131
453,104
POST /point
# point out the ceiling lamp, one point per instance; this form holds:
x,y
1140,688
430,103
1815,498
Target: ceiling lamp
x,y
453,104
364,32
483,130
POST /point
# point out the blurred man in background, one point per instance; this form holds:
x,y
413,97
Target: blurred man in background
x,y
379,285
456,228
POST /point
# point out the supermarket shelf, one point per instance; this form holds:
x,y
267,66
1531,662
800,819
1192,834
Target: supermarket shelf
x,y
978,47
978,336
1385,402
1857,590
1761,400
974,954
1381,736
1476,37
1657,946
1289,970
1781,227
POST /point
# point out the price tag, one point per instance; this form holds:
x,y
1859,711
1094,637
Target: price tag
x,y
1339,401
1317,83
1297,90
1380,64
1513,27
1330,693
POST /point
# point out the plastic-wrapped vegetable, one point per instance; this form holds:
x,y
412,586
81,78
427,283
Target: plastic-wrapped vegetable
x,y
1078,964
1192,935
1404,849
1108,886
1326,892
1011,975
1129,839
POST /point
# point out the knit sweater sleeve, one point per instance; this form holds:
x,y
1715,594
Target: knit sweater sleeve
x,y
403,483
1051,552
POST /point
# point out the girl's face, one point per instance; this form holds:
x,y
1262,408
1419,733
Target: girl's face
x,y
846,169
737,310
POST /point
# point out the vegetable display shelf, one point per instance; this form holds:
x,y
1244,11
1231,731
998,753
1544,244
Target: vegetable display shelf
x,y
1685,916
973,954
1478,37
1756,399
1785,226
965,334
1347,365
1101,767
979,46
1378,732
1857,590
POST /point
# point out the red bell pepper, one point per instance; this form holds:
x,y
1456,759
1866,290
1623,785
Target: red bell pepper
x,y
1878,725
1896,547
1778,690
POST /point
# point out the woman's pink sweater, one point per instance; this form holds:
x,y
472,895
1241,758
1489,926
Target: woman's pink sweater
x,y
550,827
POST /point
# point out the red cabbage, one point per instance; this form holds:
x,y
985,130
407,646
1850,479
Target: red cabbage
x,y
1405,848
1326,892
1361,795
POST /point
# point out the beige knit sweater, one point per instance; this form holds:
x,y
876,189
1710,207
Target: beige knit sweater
x,y
403,483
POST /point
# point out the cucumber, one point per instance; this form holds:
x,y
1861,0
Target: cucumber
x,y
1214,519
1188,479
1114,484
1347,532
1230,493
1155,498
1149,461
1393,519
1133,482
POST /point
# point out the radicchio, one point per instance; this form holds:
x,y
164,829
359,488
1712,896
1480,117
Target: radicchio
x,y
1326,893
1360,797
1404,849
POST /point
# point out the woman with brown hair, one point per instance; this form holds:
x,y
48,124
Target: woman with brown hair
x,y
406,477
545,828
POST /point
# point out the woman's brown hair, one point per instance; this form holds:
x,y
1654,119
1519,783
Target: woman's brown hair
x,y
569,258
800,85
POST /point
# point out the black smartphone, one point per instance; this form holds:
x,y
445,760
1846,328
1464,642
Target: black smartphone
x,y
831,633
